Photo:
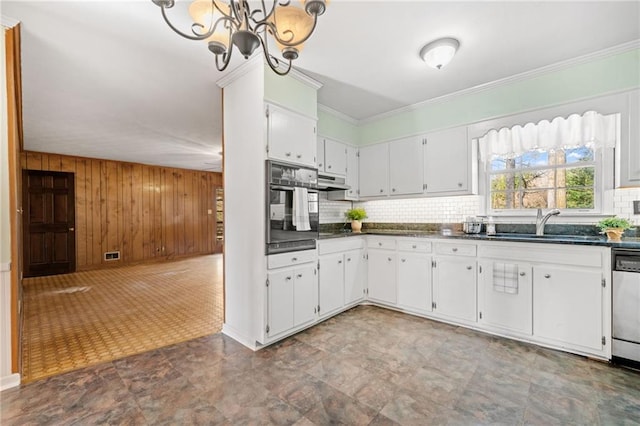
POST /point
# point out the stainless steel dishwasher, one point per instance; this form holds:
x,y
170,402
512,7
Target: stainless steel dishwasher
x,y
626,307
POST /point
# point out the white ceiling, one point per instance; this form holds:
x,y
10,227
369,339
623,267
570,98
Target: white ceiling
x,y
109,79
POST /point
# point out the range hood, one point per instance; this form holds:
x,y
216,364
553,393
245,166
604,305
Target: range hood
x,y
330,183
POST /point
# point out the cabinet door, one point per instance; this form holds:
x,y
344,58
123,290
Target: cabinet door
x,y
505,295
629,157
447,161
331,286
354,276
280,301
352,172
414,281
320,154
405,166
291,137
335,155
567,305
374,170
305,295
382,276
454,284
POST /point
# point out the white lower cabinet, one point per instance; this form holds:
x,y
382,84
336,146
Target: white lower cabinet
x,y
568,306
382,276
414,281
505,295
355,275
454,288
331,285
291,298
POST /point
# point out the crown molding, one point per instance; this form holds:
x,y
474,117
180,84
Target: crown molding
x,y
8,22
338,114
558,66
239,71
305,79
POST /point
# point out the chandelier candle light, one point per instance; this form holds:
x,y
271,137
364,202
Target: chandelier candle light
x,y
227,23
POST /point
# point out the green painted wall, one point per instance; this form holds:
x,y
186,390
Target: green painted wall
x,y
290,93
337,128
610,74
606,75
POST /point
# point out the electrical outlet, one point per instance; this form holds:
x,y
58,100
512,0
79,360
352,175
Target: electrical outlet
x,y
636,207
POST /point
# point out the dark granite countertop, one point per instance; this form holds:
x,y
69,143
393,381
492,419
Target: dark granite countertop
x,y
591,240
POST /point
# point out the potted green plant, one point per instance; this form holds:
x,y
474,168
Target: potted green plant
x,y
614,227
356,216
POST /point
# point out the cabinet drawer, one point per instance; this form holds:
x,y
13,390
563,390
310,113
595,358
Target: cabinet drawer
x,y
291,259
416,246
456,249
381,243
340,244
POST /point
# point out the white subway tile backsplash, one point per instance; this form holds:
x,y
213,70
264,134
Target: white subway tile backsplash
x,y
444,209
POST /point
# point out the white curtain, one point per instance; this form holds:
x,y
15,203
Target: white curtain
x,y
590,129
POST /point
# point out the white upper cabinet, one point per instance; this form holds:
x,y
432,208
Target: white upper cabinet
x,y
629,156
405,166
449,163
291,137
352,173
335,156
374,170
320,154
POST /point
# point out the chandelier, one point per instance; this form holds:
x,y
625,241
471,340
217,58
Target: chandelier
x,y
227,23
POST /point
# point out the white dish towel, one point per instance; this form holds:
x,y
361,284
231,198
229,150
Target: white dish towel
x,y
300,213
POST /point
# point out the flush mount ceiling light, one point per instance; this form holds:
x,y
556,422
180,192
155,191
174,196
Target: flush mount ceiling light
x,y
439,53
227,23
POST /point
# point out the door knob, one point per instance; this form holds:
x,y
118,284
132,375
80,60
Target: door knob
x,y
522,274
72,229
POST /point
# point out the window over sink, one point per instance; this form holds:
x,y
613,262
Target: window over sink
x,y
565,163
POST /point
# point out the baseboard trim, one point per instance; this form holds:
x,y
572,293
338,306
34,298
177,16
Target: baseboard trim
x,y
10,381
239,337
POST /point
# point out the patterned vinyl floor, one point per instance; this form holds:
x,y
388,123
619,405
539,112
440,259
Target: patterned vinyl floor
x,y
85,318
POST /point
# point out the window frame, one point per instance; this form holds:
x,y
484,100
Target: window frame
x,y
597,163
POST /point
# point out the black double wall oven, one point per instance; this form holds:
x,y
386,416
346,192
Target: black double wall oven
x,y
291,208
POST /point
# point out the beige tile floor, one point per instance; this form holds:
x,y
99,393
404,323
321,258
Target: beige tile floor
x,y
85,318
365,366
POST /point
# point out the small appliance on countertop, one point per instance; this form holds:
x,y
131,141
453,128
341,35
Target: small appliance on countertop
x,y
472,225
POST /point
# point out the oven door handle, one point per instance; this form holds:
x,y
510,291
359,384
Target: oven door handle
x,y
290,188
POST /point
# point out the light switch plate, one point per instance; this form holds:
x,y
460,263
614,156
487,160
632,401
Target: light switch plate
x,y
636,207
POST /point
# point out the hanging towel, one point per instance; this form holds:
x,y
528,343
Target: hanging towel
x,y
300,211
505,277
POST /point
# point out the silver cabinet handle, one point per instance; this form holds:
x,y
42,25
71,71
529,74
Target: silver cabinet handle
x,y
469,267
319,165
522,274
547,275
348,259
380,244
414,246
455,249
403,260
339,262
460,184
381,191
288,278
299,156
294,259
393,190
288,154
329,166
72,229
299,276
389,259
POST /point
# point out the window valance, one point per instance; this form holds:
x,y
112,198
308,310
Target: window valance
x,y
589,129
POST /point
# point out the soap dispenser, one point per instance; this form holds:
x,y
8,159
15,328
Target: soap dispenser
x,y
491,226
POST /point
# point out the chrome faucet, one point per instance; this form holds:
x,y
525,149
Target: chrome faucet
x,y
541,221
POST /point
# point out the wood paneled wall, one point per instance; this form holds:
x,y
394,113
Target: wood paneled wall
x,y
145,212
